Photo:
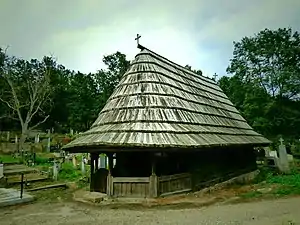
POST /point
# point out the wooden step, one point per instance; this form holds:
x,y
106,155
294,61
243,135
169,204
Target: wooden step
x,y
19,171
30,178
63,185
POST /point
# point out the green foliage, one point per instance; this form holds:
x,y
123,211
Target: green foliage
x,y
265,85
8,159
39,160
68,172
271,60
74,99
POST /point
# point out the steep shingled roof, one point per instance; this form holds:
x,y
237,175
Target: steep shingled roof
x,y
159,104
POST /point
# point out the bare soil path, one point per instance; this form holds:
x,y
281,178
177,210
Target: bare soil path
x,y
274,212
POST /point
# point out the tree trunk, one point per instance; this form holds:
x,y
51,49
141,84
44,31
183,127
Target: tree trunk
x,y
23,137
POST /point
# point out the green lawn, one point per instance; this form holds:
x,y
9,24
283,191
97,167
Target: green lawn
x,y
8,159
282,184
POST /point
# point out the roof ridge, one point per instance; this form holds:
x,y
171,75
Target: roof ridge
x,y
176,64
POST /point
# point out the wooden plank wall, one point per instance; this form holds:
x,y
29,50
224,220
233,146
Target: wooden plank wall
x,y
175,183
130,187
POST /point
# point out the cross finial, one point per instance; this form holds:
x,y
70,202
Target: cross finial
x,y
215,77
138,39
281,141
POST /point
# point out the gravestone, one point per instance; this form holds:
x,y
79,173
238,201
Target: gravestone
x,y
1,170
273,154
74,160
7,136
49,141
37,138
56,168
83,165
283,158
71,132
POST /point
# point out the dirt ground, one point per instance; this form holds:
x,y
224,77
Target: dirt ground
x,y
272,212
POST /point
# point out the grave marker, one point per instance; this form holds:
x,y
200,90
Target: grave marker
x,y
74,160
283,158
7,136
1,170
83,165
37,138
55,170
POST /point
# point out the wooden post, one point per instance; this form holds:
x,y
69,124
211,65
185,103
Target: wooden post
x,y
110,162
96,161
92,186
109,187
153,182
153,186
22,185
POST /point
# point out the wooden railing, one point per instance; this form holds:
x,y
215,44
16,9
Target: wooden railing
x,y
174,183
144,187
128,186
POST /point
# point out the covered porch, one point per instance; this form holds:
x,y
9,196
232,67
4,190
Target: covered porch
x,y
149,175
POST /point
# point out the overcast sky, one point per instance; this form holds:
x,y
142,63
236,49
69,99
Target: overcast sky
x,y
195,32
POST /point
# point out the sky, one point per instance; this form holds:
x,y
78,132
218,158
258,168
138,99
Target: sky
x,y
79,33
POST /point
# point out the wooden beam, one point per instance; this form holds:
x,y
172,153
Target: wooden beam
x,y
130,180
49,187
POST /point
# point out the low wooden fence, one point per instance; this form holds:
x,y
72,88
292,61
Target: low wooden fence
x,y
144,187
174,183
154,186
128,186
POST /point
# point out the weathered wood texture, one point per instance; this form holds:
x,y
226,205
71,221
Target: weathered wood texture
x,y
161,104
175,183
129,187
145,187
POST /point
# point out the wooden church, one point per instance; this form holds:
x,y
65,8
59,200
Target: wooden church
x,y
169,130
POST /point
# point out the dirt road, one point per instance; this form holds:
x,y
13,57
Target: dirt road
x,y
276,212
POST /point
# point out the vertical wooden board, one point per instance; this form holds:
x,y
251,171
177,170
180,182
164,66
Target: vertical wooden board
x,y
147,189
126,189
139,190
117,189
122,188
131,188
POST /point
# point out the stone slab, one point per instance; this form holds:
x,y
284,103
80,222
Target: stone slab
x,y
9,197
89,197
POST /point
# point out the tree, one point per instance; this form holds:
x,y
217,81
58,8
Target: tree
x,y
83,101
199,72
270,59
107,80
26,92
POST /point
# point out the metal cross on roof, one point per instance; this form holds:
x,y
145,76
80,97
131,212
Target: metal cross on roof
x,y
281,141
215,76
138,39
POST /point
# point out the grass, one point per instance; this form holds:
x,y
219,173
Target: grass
x,y
282,184
69,173
8,159
251,194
